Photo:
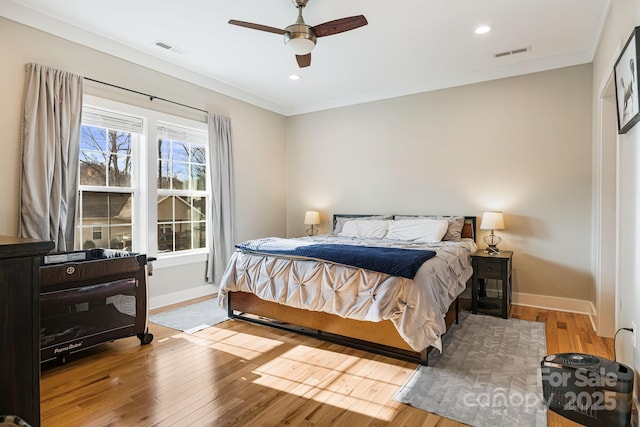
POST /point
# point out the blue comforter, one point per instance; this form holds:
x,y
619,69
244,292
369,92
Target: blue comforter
x,y
392,261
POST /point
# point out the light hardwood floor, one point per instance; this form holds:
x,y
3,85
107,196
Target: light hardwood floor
x,y
237,374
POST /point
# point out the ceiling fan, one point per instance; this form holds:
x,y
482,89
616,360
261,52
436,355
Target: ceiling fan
x,y
300,37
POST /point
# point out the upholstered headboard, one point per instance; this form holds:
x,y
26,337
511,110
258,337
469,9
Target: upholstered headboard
x,y
468,230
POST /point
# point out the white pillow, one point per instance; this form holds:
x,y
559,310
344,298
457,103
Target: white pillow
x,y
456,224
340,221
365,229
422,230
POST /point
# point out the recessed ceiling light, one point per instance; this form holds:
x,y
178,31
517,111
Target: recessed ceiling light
x,y
294,77
483,29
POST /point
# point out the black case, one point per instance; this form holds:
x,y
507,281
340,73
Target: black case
x,y
91,297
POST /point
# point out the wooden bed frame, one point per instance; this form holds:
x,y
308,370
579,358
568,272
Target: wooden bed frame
x,y
376,337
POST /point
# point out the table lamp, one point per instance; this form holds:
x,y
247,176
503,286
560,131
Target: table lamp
x,y
312,218
492,221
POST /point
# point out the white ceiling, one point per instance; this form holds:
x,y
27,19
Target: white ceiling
x,y
409,46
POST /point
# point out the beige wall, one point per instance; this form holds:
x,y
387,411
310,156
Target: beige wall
x,y
259,135
521,145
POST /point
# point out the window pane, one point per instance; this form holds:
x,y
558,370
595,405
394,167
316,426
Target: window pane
x,y
199,208
165,238
105,150
105,208
164,174
120,171
103,214
120,207
119,142
182,209
165,208
198,177
119,237
180,176
93,138
164,149
119,150
183,236
198,154
84,238
95,206
199,235
181,223
108,236
180,151
92,168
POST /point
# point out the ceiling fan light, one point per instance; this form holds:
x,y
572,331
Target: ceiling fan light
x,y
300,46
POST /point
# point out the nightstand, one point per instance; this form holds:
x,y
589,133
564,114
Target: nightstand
x,y
497,267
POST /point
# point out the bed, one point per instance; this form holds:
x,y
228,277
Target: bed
x,y
398,309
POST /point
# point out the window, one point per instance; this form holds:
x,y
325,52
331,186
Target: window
x,y
143,181
182,188
97,232
106,180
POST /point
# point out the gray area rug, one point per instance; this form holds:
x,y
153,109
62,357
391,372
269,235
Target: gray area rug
x,y
488,374
193,317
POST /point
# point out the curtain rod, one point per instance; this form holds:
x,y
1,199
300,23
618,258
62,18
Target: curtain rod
x,y
151,97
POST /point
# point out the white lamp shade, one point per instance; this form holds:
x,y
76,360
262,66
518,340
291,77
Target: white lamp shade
x,y
301,46
312,218
492,221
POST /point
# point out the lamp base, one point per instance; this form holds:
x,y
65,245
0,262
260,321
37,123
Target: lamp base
x,y
312,231
492,250
492,243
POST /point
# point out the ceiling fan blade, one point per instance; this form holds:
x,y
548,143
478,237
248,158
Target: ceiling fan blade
x,y
339,26
303,60
257,26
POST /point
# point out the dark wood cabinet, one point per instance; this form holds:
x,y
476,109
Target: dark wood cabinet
x,y
491,266
20,326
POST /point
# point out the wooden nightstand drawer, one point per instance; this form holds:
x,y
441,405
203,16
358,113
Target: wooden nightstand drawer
x,y
490,269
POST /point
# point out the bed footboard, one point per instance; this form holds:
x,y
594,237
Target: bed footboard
x,y
376,337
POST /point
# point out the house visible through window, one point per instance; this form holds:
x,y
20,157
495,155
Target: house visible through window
x,y
126,203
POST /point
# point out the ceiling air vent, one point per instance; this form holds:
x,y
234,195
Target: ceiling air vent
x,y
169,47
512,52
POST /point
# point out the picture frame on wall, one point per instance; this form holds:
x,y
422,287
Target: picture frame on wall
x,y
626,77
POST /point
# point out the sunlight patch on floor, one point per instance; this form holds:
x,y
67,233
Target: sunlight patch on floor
x,y
343,381
247,346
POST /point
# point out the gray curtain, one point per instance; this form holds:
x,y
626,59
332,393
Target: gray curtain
x,y
222,231
50,147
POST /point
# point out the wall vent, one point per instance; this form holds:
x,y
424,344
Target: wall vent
x,y
512,52
169,47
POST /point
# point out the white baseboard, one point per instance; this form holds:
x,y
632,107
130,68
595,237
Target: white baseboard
x,y
180,296
556,303
552,303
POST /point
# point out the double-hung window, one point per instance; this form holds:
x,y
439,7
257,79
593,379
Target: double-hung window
x,y
143,182
182,188
109,145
